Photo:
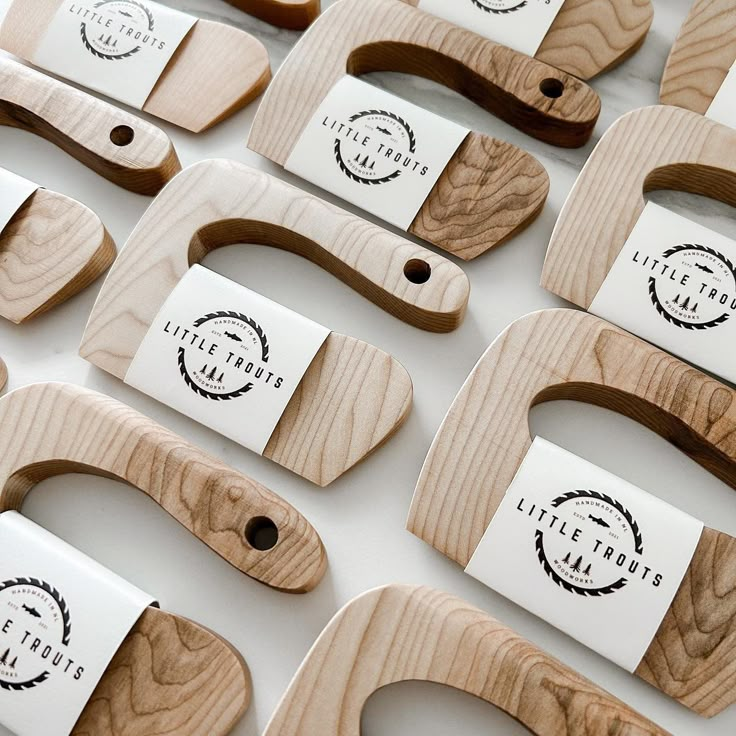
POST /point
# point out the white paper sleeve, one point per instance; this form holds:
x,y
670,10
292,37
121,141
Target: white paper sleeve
x,y
14,192
593,555
119,48
62,619
723,107
674,284
375,150
519,24
225,356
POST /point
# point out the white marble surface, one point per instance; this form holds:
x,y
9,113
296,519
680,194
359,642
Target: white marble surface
x,y
361,517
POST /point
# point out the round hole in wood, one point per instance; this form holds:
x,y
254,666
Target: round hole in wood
x,y
261,533
551,87
122,135
417,271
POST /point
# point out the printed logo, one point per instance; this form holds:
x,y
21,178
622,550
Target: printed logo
x,y
223,355
375,147
691,286
501,7
588,543
116,29
35,635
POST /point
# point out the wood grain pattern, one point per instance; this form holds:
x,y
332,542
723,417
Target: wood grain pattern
x,y
652,148
214,502
401,633
592,36
169,676
85,127
217,70
701,56
293,14
564,354
51,249
3,375
369,392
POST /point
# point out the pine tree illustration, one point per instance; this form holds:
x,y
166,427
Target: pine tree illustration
x,y
566,559
694,308
578,564
677,299
211,374
686,303
221,378
204,370
4,658
587,571
13,663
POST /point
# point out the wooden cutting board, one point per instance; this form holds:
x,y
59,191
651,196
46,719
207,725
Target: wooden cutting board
x,y
357,38
128,151
228,511
229,203
50,250
703,54
217,70
652,148
404,633
592,36
294,14
565,354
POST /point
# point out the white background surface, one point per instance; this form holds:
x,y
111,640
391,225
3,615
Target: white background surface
x,y
361,517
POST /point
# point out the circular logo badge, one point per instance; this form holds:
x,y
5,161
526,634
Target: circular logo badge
x,y
695,288
35,635
606,566
128,26
223,355
381,146
499,7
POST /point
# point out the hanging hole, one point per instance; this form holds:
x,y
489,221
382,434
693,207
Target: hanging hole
x,y
261,533
417,271
122,135
551,88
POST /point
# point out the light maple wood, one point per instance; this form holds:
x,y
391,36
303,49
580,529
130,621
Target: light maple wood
x,y
85,127
592,36
217,70
169,676
353,396
565,354
659,147
3,375
701,57
51,249
50,429
400,633
293,14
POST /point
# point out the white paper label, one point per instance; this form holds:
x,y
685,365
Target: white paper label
x,y
518,24
117,47
14,191
375,150
723,107
593,555
225,356
62,619
674,284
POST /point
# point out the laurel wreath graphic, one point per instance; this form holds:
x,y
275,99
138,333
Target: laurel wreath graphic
x,y
66,632
499,11
671,318
127,54
383,180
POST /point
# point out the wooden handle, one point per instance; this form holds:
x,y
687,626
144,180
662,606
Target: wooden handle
x,y
588,37
294,14
217,69
401,633
222,507
3,375
52,248
564,354
648,149
121,147
169,676
701,57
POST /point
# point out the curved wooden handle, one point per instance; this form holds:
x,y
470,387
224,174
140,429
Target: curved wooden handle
x,y
3,375
55,428
648,149
121,147
294,14
52,248
401,633
356,38
701,57
565,354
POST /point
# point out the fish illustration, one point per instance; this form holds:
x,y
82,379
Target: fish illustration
x,y
704,268
383,130
233,336
31,611
125,13
599,521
